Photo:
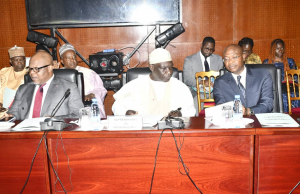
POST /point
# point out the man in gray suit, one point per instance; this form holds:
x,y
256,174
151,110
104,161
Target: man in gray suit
x,y
204,60
39,98
255,86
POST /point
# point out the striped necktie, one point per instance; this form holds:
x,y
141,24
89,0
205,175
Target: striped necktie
x,y
241,87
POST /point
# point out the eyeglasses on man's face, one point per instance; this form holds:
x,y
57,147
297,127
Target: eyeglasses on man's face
x,y
227,59
35,69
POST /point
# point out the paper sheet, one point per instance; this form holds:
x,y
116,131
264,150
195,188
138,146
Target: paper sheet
x,y
30,124
276,120
9,95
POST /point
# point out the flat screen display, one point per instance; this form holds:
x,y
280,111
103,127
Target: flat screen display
x,y
92,13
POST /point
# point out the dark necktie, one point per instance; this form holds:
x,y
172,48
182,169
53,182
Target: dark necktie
x,y
241,87
206,65
38,102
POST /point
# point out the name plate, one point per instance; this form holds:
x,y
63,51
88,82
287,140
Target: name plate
x,y
125,123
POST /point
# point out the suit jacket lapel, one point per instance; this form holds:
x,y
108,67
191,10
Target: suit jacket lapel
x,y
28,99
49,96
249,84
212,64
198,62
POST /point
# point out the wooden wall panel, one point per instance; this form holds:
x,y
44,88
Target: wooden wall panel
x,y
226,20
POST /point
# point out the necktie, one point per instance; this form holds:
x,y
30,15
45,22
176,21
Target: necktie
x,y
38,102
241,87
206,65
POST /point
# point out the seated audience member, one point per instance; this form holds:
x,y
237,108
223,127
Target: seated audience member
x,y
203,60
40,97
43,48
93,85
255,86
155,94
249,57
12,77
278,57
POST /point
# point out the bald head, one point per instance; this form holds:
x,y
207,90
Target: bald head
x,y
41,67
235,47
233,59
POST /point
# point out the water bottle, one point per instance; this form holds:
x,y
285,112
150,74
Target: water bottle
x,y
95,116
237,108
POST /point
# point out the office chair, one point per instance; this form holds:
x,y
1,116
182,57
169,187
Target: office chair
x,y
293,90
277,85
208,99
71,75
133,73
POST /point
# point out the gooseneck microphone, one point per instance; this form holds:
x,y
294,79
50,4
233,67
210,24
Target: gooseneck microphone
x,y
58,123
66,95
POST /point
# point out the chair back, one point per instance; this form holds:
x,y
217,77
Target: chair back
x,y
277,89
206,90
133,73
292,87
71,75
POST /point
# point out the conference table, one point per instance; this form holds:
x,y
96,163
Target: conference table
x,y
234,160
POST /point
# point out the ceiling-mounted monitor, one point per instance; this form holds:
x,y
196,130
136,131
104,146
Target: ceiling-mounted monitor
x,y
43,14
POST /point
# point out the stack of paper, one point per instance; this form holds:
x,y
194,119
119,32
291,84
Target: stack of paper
x,y
276,120
29,124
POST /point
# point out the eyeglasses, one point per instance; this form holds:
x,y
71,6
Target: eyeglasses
x,y
209,50
36,69
226,60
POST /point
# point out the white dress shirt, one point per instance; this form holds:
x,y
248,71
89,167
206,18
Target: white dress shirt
x,y
203,59
243,77
45,90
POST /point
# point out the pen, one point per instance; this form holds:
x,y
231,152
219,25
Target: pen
x,y
12,119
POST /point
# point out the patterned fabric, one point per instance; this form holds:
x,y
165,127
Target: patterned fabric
x,y
295,103
253,59
241,87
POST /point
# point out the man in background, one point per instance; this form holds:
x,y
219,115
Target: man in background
x,y
249,57
155,94
12,77
40,97
203,60
93,85
255,86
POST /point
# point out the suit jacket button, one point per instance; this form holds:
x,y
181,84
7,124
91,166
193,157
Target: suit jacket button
x,y
22,108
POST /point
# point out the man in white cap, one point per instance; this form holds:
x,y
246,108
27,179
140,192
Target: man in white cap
x,y
93,85
155,94
12,77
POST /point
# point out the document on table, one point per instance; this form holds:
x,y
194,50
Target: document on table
x,y
276,120
29,124
9,95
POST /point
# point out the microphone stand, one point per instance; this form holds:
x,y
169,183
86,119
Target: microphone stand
x,y
53,123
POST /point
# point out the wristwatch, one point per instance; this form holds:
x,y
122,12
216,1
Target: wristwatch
x,y
251,111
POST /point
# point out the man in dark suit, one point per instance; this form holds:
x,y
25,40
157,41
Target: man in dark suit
x,y
254,86
39,98
204,60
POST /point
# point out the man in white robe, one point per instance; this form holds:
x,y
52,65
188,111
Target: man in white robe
x,y
155,94
93,85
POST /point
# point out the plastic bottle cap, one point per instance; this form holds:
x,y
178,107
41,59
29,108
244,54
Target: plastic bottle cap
x,y
237,96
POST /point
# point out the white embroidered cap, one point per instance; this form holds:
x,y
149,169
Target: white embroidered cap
x,y
159,55
64,48
16,52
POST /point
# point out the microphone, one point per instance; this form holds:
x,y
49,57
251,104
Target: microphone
x,y
66,95
58,123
